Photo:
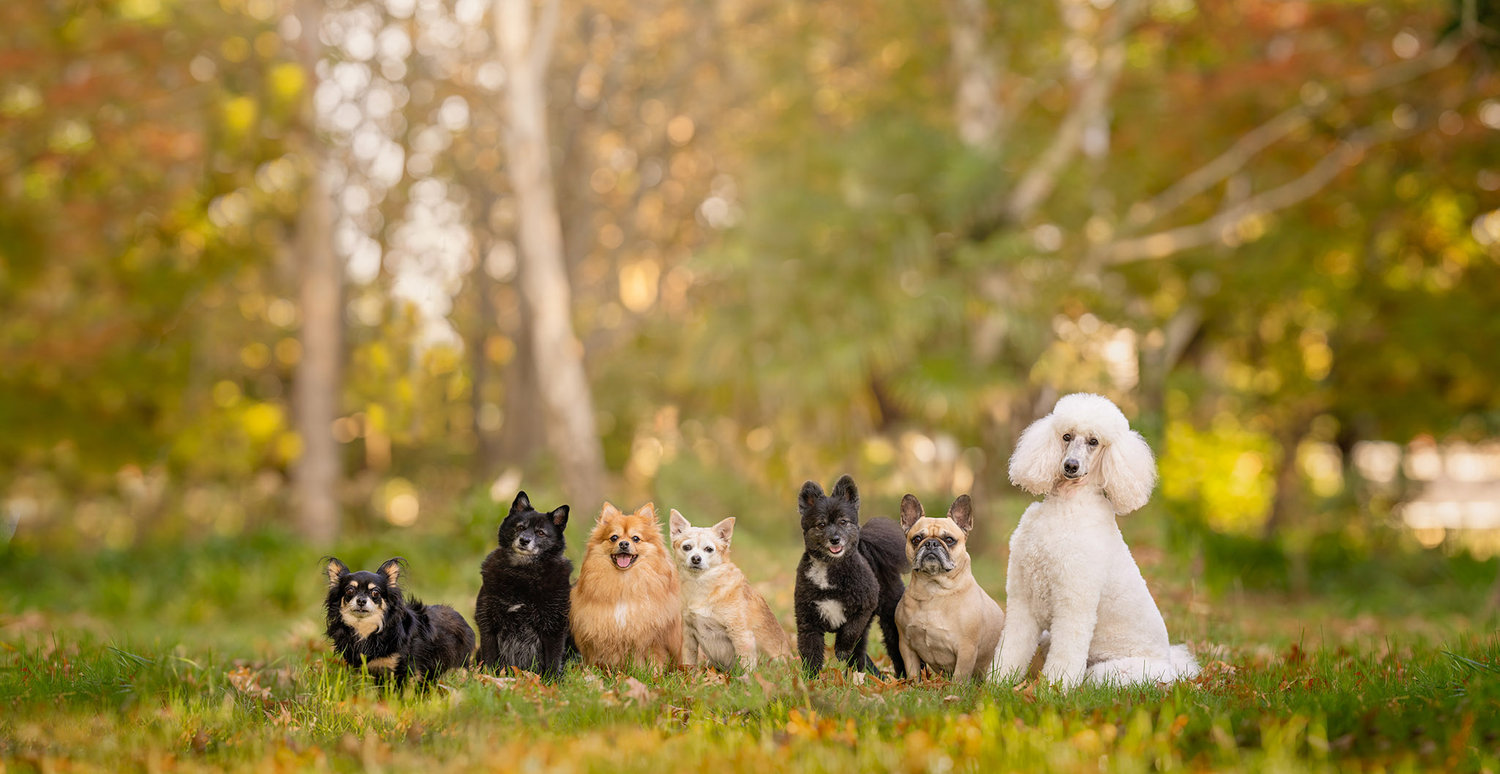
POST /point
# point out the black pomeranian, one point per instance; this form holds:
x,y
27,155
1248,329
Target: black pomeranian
x,y
847,576
372,625
522,607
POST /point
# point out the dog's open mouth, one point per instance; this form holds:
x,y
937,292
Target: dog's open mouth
x,y
624,561
835,549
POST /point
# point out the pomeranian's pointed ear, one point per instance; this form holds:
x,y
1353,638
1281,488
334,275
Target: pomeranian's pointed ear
x,y
844,489
648,510
676,524
559,516
609,512
392,570
725,529
911,511
521,503
962,513
810,494
335,569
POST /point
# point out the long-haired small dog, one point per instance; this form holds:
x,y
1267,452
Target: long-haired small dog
x,y
373,626
721,614
1070,571
522,606
627,606
849,574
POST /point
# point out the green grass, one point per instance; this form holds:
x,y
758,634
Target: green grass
x,y
210,657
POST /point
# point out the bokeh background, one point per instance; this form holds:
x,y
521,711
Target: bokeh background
x,y
280,279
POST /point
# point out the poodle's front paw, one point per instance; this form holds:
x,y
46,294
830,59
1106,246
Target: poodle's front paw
x,y
1061,676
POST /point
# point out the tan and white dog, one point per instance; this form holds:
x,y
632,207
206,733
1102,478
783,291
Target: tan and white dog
x,y
721,614
946,620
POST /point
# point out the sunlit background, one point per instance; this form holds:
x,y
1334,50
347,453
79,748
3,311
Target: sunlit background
x,y
797,239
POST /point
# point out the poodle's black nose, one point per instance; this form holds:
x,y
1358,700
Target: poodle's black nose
x,y
1070,467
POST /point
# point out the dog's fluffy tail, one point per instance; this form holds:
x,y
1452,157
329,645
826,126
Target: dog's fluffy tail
x,y
1136,670
883,545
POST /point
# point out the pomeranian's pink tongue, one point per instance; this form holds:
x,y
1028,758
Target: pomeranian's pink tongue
x,y
622,560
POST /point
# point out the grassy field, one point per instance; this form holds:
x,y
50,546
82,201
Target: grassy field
x,y
211,657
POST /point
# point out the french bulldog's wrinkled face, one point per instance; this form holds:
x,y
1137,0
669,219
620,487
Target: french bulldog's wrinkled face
x,y
937,546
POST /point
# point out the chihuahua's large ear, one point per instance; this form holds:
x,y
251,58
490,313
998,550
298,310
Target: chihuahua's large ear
x,y
962,513
677,524
521,503
911,512
844,489
392,571
1128,472
609,512
725,529
335,569
811,493
1037,458
559,515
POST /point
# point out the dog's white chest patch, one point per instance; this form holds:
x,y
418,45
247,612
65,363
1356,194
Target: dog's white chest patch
x,y
622,614
832,611
364,627
515,607
817,572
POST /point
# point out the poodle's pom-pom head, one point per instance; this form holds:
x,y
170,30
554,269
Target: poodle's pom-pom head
x,y
1033,465
1095,414
1128,472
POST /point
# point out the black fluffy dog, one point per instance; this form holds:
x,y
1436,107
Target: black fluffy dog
x,y
374,627
522,607
847,576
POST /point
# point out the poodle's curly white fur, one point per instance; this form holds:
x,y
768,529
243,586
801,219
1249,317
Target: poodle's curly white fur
x,y
1070,572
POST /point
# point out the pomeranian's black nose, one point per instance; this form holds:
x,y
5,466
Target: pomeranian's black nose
x,y
1070,467
624,545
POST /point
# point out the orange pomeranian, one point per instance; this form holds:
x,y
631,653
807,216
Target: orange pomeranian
x,y
627,606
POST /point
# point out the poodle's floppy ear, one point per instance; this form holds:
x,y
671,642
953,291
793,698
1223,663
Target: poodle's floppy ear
x,y
1034,463
335,569
1128,472
810,494
911,511
677,524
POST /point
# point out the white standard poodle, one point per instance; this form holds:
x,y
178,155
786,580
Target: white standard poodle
x,y
1070,572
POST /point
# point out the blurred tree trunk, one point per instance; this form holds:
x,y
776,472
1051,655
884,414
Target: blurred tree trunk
x,y
976,105
522,411
486,460
316,472
525,50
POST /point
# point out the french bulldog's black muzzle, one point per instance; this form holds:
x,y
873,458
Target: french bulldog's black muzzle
x,y
932,556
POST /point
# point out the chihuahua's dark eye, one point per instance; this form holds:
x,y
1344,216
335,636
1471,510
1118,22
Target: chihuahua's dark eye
x,y
614,538
1093,442
1067,437
687,546
635,538
708,550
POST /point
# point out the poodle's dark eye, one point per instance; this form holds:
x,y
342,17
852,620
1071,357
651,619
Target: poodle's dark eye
x,y
1093,442
635,538
614,538
687,546
708,550
1067,437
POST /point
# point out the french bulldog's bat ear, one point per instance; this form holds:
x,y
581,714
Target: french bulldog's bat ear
x,y
677,523
392,570
911,512
725,529
521,503
811,493
844,489
560,516
335,569
962,513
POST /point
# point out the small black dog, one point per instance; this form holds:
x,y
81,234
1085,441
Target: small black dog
x,y
847,576
522,607
373,626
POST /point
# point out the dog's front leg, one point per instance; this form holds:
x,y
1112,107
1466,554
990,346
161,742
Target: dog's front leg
x,y
912,660
851,644
1018,641
964,667
1072,633
745,650
810,646
689,645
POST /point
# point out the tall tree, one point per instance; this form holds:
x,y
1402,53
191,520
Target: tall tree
x,y
317,472
525,48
